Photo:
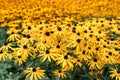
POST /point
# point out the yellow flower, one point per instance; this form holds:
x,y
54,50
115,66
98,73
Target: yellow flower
x,y
26,39
95,63
83,55
59,47
47,36
47,54
3,55
65,61
78,62
6,46
34,73
60,73
115,73
14,37
20,59
24,49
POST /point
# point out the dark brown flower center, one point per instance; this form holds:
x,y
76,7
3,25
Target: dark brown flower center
x,y
19,56
47,51
107,56
59,29
28,36
78,40
29,28
25,47
110,53
97,48
83,52
78,34
58,46
51,32
66,57
5,43
90,35
98,39
47,34
24,35
74,30
1,52
85,31
34,69
60,71
78,60
95,60
89,47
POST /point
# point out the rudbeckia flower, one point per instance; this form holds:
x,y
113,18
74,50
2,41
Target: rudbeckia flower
x,y
59,46
65,61
115,72
6,46
60,73
24,49
34,73
20,59
48,54
47,36
95,63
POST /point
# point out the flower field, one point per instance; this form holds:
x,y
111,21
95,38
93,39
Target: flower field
x,y
59,40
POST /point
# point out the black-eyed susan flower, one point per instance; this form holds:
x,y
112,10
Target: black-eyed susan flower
x,y
34,73
66,61
47,54
95,63
115,72
60,73
78,62
59,47
83,55
46,35
24,49
6,46
20,59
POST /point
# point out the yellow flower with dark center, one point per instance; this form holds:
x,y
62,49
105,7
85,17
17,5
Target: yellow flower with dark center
x,y
83,55
109,57
29,29
48,54
34,73
60,73
115,72
47,36
59,46
6,46
20,59
24,49
95,63
65,61
78,62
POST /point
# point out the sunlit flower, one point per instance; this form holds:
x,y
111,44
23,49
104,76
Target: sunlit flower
x,y
3,55
60,73
20,59
34,73
115,72
47,54
65,61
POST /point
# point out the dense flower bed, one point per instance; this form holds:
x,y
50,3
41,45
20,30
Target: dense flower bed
x,y
62,41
